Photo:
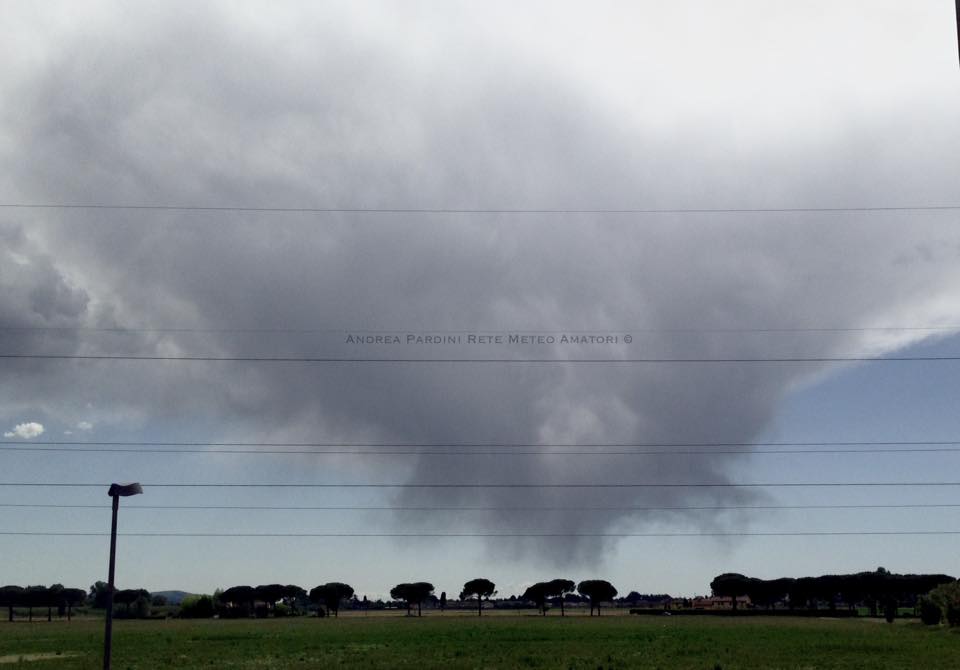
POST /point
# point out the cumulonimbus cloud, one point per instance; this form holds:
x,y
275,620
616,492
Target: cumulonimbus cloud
x,y
464,125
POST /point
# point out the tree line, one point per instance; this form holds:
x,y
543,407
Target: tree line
x,y
48,597
935,596
240,601
876,589
596,591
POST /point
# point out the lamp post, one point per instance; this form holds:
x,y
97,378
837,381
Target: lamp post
x,y
115,492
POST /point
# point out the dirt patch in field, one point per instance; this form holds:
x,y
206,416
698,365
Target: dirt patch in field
x,y
48,656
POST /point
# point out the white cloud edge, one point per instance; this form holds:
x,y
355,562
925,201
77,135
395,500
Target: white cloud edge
x,y
26,430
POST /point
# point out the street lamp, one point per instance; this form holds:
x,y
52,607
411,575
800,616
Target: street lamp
x,y
115,492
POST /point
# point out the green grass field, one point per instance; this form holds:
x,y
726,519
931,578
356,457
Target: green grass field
x,y
504,641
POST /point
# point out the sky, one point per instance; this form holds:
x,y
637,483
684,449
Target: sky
x,y
527,120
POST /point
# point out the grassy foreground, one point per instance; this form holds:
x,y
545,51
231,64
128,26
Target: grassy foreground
x,y
493,641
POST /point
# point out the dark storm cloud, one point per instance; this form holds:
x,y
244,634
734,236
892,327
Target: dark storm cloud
x,y
214,110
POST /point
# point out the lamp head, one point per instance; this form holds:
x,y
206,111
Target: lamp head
x,y
125,490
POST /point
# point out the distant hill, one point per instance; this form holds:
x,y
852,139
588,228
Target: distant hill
x,y
173,597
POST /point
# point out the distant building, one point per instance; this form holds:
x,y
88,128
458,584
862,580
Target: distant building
x,y
652,602
715,603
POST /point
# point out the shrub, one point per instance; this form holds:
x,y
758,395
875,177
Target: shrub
x,y
890,609
137,609
947,598
930,612
241,611
141,607
953,613
197,607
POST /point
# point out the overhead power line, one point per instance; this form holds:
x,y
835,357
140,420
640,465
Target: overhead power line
x,y
486,485
475,210
561,361
510,508
479,331
486,445
533,534
37,449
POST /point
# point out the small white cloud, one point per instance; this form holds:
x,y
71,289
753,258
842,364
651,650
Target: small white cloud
x,y
85,425
26,430
68,432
